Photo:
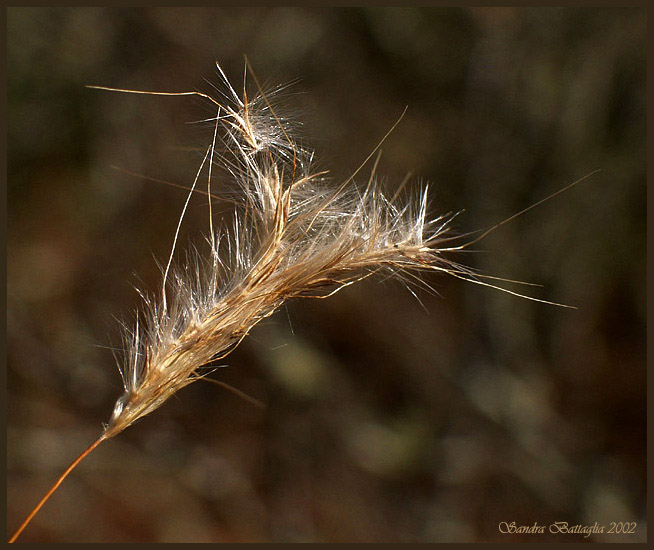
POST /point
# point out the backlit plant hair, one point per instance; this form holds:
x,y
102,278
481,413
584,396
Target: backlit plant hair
x,y
294,235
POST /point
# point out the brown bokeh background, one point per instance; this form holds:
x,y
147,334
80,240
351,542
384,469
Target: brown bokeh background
x,y
387,418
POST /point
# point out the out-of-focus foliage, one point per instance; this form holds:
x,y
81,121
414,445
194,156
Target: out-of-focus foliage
x,y
385,420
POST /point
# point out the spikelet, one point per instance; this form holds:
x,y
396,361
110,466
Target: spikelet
x,y
296,235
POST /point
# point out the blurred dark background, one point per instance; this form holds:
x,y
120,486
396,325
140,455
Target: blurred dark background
x,y
385,419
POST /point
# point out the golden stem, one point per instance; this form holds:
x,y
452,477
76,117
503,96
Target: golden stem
x,y
55,486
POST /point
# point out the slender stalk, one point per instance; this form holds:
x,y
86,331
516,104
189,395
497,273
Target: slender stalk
x,y
56,485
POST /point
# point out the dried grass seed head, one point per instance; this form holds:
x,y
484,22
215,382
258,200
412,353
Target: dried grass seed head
x,y
295,235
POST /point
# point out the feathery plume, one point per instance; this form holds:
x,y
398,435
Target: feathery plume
x,y
295,235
